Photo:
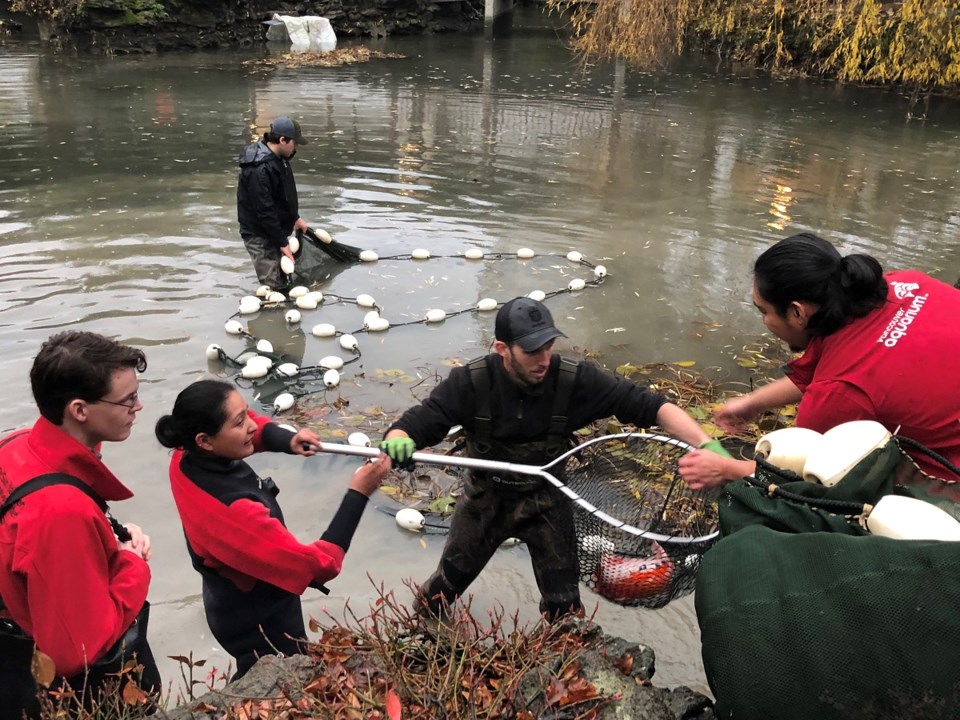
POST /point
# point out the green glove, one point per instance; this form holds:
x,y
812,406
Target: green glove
x,y
715,447
400,450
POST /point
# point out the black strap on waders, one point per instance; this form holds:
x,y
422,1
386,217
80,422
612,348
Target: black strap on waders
x,y
483,422
48,479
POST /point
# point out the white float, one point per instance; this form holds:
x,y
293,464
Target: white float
x,y
294,242
841,448
435,315
288,369
474,254
348,342
256,370
370,317
600,271
276,297
306,302
788,448
213,352
576,284
324,330
906,518
298,291
233,327
378,325
243,357
249,304
259,360
538,295
411,519
574,256
322,235
487,304
331,362
525,253
286,264
368,256
315,295
263,291
292,316
358,439
420,254
364,300
264,346
283,401
331,378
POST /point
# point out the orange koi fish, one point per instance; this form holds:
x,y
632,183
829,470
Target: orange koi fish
x,y
623,579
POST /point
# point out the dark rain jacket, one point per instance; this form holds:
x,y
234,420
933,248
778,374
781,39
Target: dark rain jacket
x,y
522,415
267,204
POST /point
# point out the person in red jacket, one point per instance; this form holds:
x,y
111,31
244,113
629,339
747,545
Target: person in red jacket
x,y
254,570
65,578
876,346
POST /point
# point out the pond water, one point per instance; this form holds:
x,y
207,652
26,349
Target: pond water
x,y
117,215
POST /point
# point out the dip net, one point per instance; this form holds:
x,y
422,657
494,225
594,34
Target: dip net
x,y
651,556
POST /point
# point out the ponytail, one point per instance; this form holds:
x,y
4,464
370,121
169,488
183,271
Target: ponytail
x,y
807,268
199,408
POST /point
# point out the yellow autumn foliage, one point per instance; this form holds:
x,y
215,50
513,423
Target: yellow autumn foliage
x,y
913,43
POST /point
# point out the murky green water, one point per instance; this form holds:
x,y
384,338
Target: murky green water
x,y
117,215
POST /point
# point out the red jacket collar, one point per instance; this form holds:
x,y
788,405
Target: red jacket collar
x,y
62,452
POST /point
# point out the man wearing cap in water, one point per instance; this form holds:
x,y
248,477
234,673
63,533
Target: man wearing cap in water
x,y
267,204
522,404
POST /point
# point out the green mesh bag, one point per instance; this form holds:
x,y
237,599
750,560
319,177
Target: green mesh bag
x,y
879,473
825,625
804,615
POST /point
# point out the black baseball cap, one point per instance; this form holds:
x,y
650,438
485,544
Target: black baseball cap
x,y
288,128
527,323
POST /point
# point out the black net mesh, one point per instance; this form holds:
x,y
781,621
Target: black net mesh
x,y
635,480
315,265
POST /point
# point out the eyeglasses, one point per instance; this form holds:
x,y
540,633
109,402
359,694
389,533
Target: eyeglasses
x,y
129,402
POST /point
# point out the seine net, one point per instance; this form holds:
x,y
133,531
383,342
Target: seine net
x,y
655,556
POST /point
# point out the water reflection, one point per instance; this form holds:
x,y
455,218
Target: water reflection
x,y
117,215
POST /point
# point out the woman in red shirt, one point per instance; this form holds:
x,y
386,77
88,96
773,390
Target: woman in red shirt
x,y
875,346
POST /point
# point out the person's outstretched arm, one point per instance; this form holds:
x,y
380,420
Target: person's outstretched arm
x,y
739,411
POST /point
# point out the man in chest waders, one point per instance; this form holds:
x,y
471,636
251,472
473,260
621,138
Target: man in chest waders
x,y
522,404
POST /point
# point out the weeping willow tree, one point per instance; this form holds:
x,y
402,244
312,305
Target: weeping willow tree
x,y
914,43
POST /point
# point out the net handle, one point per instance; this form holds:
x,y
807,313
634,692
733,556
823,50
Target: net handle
x,y
542,472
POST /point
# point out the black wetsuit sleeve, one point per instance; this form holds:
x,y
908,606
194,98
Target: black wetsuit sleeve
x,y
345,521
277,439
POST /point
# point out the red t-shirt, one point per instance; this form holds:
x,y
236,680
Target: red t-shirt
x,y
899,365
